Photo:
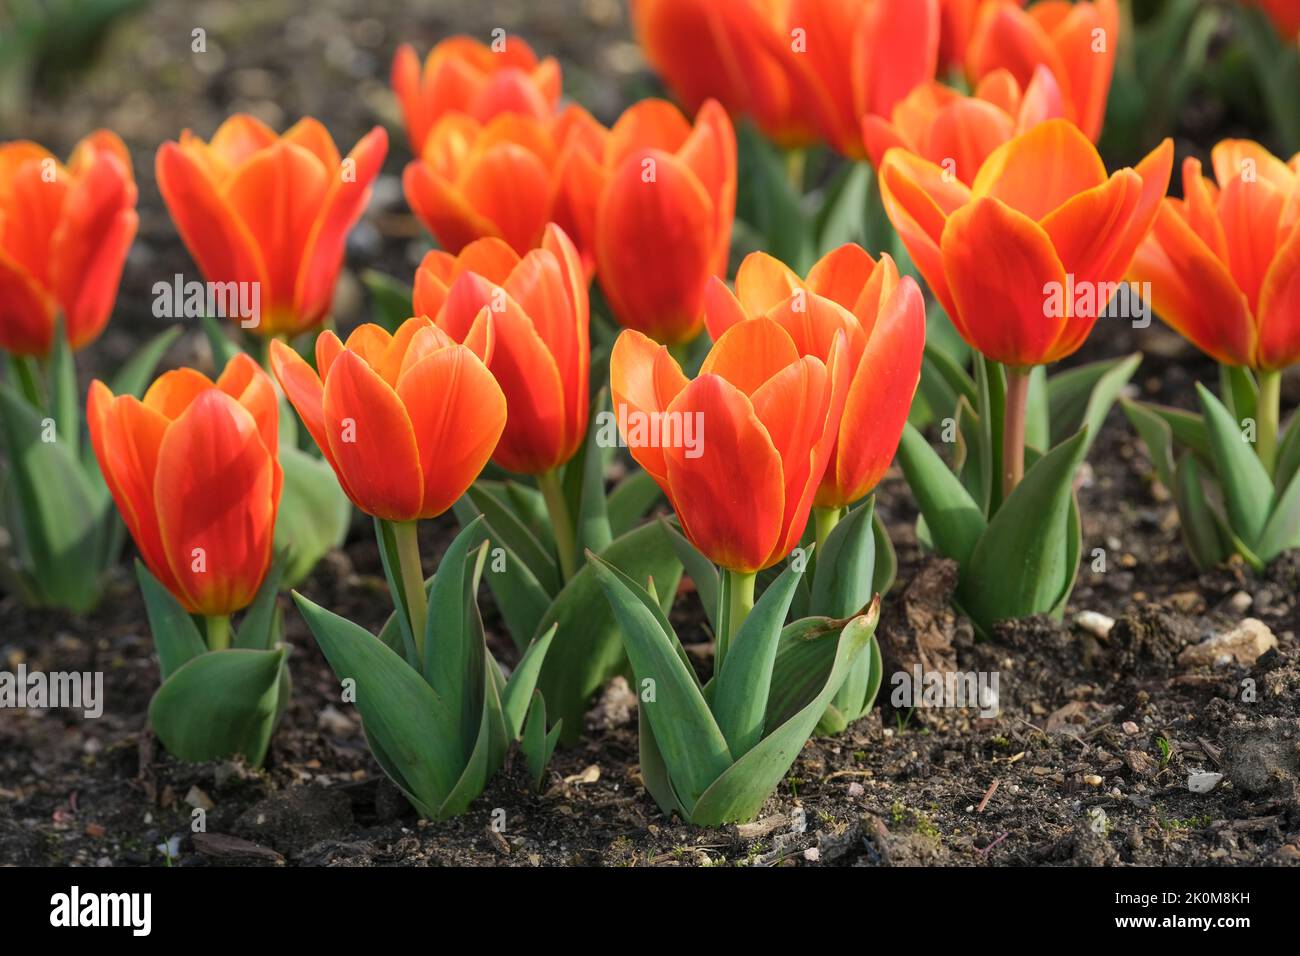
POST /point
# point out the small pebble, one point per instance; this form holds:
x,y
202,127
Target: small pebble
x,y
856,789
1095,623
1240,602
812,854
1092,780
1129,727
1203,782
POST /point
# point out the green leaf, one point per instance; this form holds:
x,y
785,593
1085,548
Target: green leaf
x,y
1037,416
739,692
1288,456
507,530
739,793
402,715
843,579
841,217
630,500
653,769
219,704
259,627
587,650
1247,488
857,694
593,526
1019,566
522,682
1283,528
954,520
991,391
886,563
1188,428
1156,435
175,635
454,645
136,373
1200,530
488,751
1240,391
64,407
537,744
62,517
1083,395
391,298
692,744
804,656
314,513
391,560
769,203
702,572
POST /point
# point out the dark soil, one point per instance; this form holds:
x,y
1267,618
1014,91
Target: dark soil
x,y
1087,762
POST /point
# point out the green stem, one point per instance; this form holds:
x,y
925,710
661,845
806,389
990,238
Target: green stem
x,y
219,632
1266,418
740,601
27,383
405,534
558,508
825,520
1013,429
796,162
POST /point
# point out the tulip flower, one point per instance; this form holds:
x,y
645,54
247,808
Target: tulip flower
x,y
1076,42
1223,265
741,450
462,75
1285,15
273,211
541,353
194,469
407,421
959,132
64,235
653,198
803,70
1041,217
498,178
882,319
957,19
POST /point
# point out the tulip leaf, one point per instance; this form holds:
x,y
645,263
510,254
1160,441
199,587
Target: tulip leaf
x,y
1189,429
1200,530
739,691
391,298
886,558
1037,414
523,681
1240,391
59,517
454,645
314,513
841,216
1288,456
137,372
1283,528
630,500
804,656
400,711
971,460
593,527
702,572
261,622
509,531
954,521
843,579
1019,566
486,754
64,407
220,704
1156,435
769,203
1247,487
739,793
538,744
991,395
950,369
587,650
654,771
692,744
528,506
1084,394
223,350
175,635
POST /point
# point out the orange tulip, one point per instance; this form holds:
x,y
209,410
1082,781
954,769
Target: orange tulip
x,y
462,75
958,132
194,469
764,422
252,207
64,235
1041,217
957,22
654,199
803,69
1076,42
407,421
497,178
1224,261
541,354
882,319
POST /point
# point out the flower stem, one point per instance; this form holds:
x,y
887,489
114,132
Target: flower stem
x,y
740,601
412,575
825,520
1013,429
218,632
561,523
1266,416
796,161
27,383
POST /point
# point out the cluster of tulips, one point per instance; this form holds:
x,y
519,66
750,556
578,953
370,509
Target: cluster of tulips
x,y
763,412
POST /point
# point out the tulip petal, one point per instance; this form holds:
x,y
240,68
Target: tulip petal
x,y
644,379
442,209
722,309
173,391
216,490
1002,299
509,185
1250,212
763,281
896,47
736,523
1279,309
750,353
302,387
244,381
1039,170
457,412
26,311
372,442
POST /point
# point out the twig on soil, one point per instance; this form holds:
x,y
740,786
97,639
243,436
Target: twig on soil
x,y
988,795
995,843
